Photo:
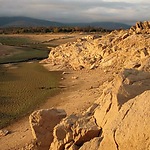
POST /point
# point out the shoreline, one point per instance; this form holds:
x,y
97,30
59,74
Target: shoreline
x,y
82,88
25,87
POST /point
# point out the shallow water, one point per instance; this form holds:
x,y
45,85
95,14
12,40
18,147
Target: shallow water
x,y
23,87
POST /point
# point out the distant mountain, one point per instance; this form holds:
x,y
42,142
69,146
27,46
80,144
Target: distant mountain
x,y
105,25
110,25
31,22
26,22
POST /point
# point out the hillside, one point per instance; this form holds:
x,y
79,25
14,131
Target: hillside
x,y
26,22
31,22
105,25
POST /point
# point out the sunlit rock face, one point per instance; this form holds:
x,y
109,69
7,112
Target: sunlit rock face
x,y
119,119
125,48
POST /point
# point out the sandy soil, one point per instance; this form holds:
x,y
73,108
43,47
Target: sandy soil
x,y
49,36
80,90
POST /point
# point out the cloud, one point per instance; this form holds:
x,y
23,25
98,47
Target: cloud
x,y
77,10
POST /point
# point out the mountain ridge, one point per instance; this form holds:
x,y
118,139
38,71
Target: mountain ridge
x,y
33,22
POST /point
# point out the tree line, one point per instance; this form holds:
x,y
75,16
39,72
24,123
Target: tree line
x,y
21,30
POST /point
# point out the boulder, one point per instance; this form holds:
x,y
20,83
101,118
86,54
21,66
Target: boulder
x,y
84,130
42,123
127,85
130,83
73,132
123,112
63,134
130,128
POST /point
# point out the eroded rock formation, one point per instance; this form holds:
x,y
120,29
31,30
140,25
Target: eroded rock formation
x,y
123,113
118,49
141,27
119,119
42,123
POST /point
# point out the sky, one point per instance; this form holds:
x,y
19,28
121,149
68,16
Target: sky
x,y
126,11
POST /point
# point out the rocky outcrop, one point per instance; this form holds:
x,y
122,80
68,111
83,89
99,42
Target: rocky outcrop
x,y
119,119
118,49
42,123
129,128
122,112
141,27
73,131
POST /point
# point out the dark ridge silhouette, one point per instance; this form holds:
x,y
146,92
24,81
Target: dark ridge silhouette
x,y
32,22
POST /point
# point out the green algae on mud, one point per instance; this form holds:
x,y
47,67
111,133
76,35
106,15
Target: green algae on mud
x,y
23,87
19,49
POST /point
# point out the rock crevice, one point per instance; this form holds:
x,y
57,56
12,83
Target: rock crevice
x,y
114,136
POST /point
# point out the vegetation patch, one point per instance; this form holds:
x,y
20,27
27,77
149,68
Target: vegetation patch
x,y
21,54
18,49
14,41
23,87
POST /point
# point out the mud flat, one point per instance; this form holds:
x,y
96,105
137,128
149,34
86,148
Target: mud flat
x,y
24,87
